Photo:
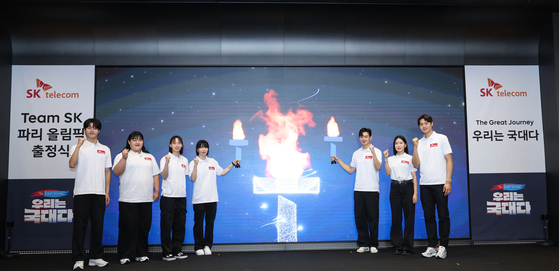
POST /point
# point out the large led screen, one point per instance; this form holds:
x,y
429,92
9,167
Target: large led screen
x,y
286,190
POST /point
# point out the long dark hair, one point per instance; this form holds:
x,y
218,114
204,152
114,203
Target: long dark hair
x,y
171,142
136,135
394,143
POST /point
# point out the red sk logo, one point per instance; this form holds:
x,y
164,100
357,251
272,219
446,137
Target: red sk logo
x,y
100,151
42,85
212,168
494,85
147,158
369,157
434,145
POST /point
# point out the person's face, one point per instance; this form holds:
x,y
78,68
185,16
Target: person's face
x,y
176,145
425,127
91,132
136,144
203,151
400,145
365,139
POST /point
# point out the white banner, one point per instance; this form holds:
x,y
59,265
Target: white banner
x,y
49,105
505,131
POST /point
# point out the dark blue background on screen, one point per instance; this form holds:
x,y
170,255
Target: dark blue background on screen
x,y
203,103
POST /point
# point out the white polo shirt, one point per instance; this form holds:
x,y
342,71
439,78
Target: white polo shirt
x,y
366,176
175,184
205,186
93,159
432,163
401,167
136,183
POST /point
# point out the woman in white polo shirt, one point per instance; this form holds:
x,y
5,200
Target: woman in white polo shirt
x,y
174,168
403,195
139,187
203,172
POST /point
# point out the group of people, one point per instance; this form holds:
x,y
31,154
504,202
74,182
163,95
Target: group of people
x,y
139,172
139,187
432,154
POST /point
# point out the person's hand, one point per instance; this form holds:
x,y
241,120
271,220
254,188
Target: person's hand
x,y
447,188
415,141
81,140
155,196
125,154
237,163
167,159
386,154
335,159
372,148
196,161
107,199
414,198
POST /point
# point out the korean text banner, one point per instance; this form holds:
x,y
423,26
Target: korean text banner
x,y
505,133
48,107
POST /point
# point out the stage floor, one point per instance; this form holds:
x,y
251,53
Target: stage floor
x,y
470,257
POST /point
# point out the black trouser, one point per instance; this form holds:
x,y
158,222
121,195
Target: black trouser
x,y
134,223
207,210
432,195
88,207
173,218
365,205
401,198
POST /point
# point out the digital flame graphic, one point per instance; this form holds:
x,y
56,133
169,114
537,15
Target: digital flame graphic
x,y
332,129
238,132
280,147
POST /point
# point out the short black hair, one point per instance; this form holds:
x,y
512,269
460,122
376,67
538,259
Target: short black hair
x,y
202,143
171,142
365,130
425,117
135,135
394,143
96,123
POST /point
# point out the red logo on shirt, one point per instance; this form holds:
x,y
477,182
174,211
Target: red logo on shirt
x,y
147,158
212,168
405,162
434,145
183,165
369,157
100,151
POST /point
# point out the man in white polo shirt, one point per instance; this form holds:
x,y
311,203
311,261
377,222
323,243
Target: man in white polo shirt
x,y
433,155
367,161
92,162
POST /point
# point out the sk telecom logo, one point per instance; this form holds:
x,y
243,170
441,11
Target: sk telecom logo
x,y
36,93
509,187
494,86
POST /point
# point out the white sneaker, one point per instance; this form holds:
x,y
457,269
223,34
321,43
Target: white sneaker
x,y
200,252
78,265
207,250
142,259
362,249
97,262
181,256
374,250
124,261
430,252
441,254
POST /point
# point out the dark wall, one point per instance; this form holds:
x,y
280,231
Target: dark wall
x,y
273,34
5,89
549,61
144,34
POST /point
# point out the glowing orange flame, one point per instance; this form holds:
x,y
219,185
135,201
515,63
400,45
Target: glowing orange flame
x,y
238,132
332,128
280,147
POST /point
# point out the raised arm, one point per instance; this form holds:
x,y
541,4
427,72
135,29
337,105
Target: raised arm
x,y
386,165
415,158
227,169
348,169
121,165
74,158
